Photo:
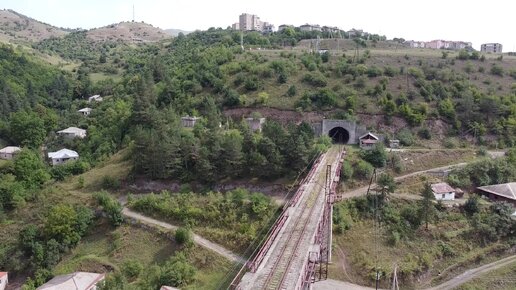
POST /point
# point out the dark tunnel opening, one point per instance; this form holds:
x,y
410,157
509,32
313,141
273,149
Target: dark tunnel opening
x,y
339,135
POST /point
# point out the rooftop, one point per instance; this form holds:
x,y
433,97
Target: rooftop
x,y
507,190
73,281
63,153
72,130
9,150
85,110
442,187
369,134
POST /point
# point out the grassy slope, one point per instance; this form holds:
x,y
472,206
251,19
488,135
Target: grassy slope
x,y
106,249
354,253
96,251
500,279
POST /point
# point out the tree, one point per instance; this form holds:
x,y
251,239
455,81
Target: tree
x,y
386,184
177,272
61,225
29,169
27,129
427,208
376,156
471,206
183,236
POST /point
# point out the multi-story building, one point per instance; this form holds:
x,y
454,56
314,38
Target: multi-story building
x,y
248,22
283,26
310,27
491,47
440,44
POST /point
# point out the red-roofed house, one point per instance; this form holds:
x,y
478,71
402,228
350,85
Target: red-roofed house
x,y
3,280
500,192
443,191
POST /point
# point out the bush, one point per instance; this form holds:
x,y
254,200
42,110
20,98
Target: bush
x,y
406,138
110,182
376,156
315,79
111,206
363,170
132,269
471,206
183,236
424,133
347,171
497,70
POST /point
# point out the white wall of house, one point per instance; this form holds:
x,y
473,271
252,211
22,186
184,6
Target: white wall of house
x,y
445,196
58,161
3,282
6,156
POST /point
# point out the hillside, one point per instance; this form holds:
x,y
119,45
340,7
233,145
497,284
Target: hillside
x,y
15,27
128,31
175,32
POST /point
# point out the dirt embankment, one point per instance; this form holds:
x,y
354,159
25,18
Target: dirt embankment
x,y
377,122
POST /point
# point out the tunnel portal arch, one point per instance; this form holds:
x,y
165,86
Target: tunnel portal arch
x,y
339,135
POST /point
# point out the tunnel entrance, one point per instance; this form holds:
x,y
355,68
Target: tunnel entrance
x,y
339,135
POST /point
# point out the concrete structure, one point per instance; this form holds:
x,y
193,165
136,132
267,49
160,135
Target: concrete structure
x,y
394,143
368,140
491,48
310,27
4,280
168,288
500,192
415,44
255,124
85,111
72,132
74,281
235,26
189,122
355,33
446,44
250,22
283,26
341,131
8,152
62,156
95,98
443,191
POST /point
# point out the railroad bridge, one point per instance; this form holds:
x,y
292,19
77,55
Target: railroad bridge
x,y
297,249
341,131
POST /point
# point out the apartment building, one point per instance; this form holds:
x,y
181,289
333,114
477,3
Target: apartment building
x,y
491,47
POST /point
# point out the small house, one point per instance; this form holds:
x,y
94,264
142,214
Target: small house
x,y
255,124
85,111
8,152
394,143
368,140
72,132
95,98
75,281
3,280
62,156
189,122
443,191
500,192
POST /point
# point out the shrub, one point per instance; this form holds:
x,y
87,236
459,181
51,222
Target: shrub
x,y
132,268
292,91
497,70
347,171
375,156
363,170
424,133
471,206
110,182
315,79
183,236
111,206
406,138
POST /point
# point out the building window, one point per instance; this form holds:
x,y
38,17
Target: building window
x,y
444,195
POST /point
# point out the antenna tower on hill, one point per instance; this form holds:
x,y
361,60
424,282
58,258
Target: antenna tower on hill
x,y
133,12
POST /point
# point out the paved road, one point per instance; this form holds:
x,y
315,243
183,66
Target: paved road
x,y
197,239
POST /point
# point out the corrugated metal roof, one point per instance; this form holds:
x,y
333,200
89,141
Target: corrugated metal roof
x,y
442,187
507,190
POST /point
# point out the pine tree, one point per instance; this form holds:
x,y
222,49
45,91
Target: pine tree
x,y
427,207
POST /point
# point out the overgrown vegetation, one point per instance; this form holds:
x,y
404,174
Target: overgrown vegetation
x,y
234,219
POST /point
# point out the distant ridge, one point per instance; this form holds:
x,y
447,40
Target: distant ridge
x,y
128,31
175,32
16,28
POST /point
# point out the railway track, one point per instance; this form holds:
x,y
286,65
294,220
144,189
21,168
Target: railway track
x,y
289,250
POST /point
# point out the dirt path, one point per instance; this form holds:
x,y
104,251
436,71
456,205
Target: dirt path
x,y
363,190
474,273
448,285
197,239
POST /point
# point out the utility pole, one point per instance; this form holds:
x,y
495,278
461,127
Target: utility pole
x,y
133,12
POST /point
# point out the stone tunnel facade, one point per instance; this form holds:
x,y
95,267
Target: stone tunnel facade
x,y
349,130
